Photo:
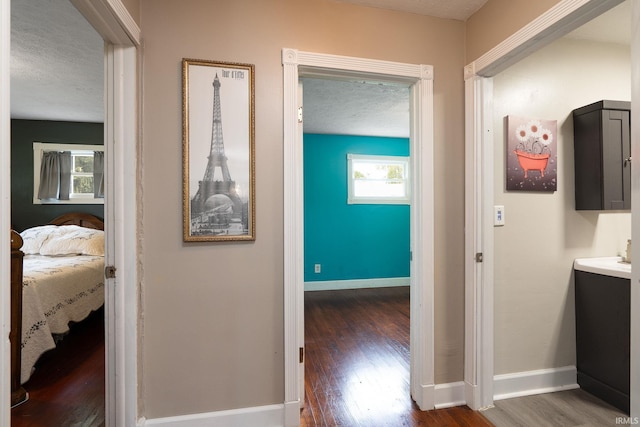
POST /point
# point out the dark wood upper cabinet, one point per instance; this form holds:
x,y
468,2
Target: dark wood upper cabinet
x,y
602,153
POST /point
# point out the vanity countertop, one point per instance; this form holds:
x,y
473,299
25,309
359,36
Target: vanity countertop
x,y
608,266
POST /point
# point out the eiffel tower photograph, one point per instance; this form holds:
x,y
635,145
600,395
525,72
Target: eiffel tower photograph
x,y
218,151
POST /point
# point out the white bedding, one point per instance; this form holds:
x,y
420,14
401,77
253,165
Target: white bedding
x,y
56,291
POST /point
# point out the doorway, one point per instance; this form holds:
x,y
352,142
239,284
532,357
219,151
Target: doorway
x,y
479,350
357,257
419,77
122,38
63,105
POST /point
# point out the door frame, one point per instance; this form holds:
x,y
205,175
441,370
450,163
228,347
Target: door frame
x,y
559,20
298,64
5,208
122,38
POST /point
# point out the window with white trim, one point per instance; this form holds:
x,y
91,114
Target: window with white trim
x,y
378,179
82,176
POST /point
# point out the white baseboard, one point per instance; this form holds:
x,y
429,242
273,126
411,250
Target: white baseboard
x,y
529,383
267,416
449,395
337,285
424,396
439,396
472,395
292,413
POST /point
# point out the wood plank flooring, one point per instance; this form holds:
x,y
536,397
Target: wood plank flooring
x,y
570,408
357,363
357,374
67,388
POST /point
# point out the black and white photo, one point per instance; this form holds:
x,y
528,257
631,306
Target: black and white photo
x,y
218,151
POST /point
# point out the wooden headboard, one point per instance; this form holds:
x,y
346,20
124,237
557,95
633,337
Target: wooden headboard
x,y
79,218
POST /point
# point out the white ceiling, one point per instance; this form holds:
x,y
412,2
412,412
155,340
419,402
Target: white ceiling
x,y
57,68
56,63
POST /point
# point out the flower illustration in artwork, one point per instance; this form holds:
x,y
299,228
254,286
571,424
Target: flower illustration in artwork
x,y
532,149
534,139
546,137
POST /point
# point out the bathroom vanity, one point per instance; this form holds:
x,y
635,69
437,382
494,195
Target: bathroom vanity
x,y
603,305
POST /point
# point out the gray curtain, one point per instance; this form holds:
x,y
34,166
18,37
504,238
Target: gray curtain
x,y
65,175
98,174
55,175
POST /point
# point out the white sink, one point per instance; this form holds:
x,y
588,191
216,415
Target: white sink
x,y
608,266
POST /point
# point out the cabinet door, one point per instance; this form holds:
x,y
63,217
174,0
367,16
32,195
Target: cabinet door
x,y
616,159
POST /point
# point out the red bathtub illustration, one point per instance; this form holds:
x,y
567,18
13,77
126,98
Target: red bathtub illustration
x,y
532,162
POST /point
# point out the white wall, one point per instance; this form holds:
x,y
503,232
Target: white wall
x,y
534,251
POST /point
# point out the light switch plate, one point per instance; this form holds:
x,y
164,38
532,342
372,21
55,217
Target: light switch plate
x,y
498,216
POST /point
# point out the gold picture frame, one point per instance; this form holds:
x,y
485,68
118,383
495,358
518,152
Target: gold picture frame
x,y
218,121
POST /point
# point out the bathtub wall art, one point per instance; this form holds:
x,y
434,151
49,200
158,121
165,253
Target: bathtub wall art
x,y
532,163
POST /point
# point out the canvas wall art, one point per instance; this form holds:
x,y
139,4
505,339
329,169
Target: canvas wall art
x,y
532,163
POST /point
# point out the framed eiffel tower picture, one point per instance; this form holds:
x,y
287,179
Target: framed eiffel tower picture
x,y
218,123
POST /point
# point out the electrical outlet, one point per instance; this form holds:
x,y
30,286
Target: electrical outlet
x,y
317,268
498,217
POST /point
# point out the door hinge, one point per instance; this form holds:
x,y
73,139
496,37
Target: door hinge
x,y
479,257
301,356
110,272
299,114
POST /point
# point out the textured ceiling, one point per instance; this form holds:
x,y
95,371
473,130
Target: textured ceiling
x,y
355,108
56,63
57,68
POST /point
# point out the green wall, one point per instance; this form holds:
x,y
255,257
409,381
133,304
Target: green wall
x,y
358,241
24,213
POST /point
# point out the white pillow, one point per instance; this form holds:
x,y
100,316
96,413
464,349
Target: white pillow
x,y
74,240
34,237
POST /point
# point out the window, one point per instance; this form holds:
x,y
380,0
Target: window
x,y
85,172
378,179
81,174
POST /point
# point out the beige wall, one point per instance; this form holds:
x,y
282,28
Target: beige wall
x,y
213,313
133,7
497,20
534,251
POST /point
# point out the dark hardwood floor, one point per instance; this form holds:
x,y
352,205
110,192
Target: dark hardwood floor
x,y
357,369
357,363
67,388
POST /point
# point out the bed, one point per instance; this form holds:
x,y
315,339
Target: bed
x,y
62,280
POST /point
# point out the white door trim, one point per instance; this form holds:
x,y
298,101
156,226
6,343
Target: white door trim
x,y
5,209
635,212
562,18
121,224
121,131
420,78
478,371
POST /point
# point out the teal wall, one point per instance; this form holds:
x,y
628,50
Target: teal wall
x,y
350,241
24,213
